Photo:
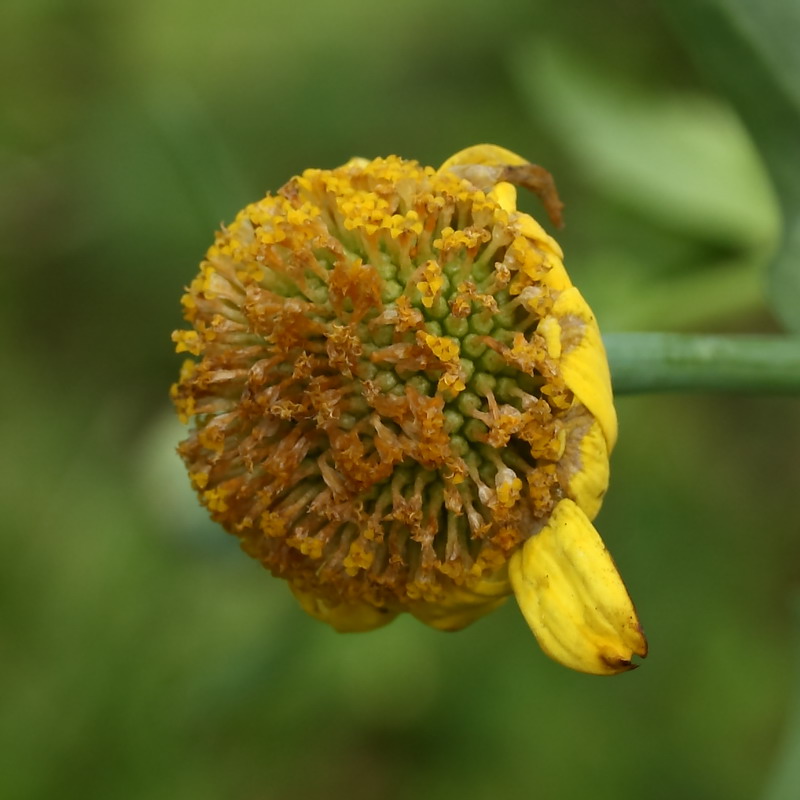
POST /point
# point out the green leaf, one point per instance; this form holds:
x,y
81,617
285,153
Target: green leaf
x,y
683,160
750,51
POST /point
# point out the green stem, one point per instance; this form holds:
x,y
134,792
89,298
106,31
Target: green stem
x,y
671,362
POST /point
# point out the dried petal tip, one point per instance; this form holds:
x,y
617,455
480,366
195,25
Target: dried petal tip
x,y
397,396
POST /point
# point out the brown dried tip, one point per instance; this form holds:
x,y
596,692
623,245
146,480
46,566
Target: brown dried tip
x,y
538,180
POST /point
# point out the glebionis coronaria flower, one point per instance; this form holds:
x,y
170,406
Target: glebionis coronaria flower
x,y
402,404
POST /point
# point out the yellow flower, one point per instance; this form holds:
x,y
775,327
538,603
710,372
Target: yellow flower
x,y
402,404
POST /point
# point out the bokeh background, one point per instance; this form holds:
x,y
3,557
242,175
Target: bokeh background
x,y
141,654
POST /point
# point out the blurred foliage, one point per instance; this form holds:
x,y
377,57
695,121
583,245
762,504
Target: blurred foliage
x,y
142,654
785,776
761,38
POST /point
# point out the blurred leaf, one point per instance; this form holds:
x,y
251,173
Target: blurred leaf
x,y
683,160
750,51
165,492
706,293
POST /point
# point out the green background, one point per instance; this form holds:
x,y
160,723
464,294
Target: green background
x,y
141,654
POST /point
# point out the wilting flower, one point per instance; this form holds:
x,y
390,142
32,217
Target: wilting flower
x,y
403,404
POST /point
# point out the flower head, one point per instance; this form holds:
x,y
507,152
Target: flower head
x,y
401,403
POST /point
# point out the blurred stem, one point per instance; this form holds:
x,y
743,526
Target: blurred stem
x,y
669,362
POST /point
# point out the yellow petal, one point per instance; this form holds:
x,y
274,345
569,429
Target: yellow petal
x,y
505,195
489,154
573,598
356,161
461,606
343,617
583,468
483,166
584,364
531,229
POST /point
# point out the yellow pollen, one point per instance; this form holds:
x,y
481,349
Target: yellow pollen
x,y
509,493
187,342
272,524
199,479
215,500
432,284
358,558
442,347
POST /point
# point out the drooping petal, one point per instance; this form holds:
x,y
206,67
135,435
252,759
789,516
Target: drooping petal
x,y
573,598
584,365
